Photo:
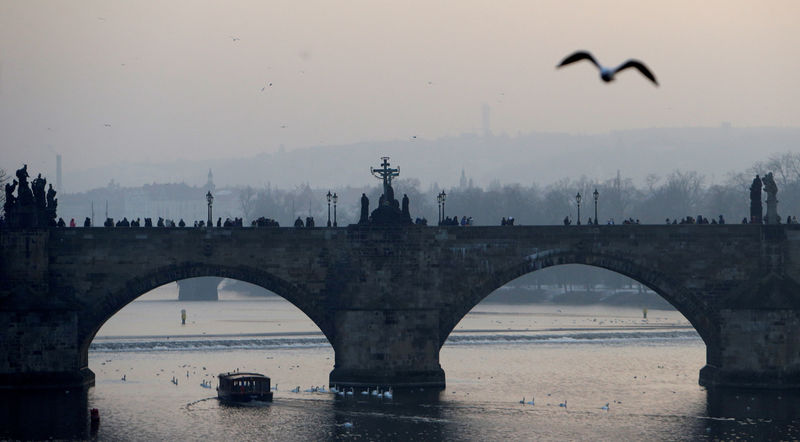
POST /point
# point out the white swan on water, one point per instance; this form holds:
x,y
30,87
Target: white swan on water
x,y
388,394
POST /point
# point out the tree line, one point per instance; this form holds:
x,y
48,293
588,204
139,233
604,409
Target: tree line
x,y
675,195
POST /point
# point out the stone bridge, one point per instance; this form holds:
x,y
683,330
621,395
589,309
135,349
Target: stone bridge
x,y
387,298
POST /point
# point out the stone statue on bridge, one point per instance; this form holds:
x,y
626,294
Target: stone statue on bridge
x,y
37,187
755,201
11,200
52,203
388,211
30,208
364,219
772,201
24,194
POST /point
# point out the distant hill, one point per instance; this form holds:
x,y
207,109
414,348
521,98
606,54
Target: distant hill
x,y
525,158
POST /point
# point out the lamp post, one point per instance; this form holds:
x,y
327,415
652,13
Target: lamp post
x,y
210,199
596,195
335,199
439,201
329,207
578,199
444,196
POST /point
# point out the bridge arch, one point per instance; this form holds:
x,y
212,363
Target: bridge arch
x,y
113,300
685,300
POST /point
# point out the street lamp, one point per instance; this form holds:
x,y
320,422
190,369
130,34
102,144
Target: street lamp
x,y
210,199
439,201
578,199
335,199
444,197
596,195
329,208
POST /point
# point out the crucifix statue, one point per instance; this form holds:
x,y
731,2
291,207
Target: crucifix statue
x,y
386,174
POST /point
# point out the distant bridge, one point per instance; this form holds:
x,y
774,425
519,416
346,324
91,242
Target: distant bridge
x,y
387,298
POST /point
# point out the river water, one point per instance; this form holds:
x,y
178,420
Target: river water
x,y
582,357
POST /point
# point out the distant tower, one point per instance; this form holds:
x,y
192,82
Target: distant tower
x,y
463,182
487,129
59,187
210,183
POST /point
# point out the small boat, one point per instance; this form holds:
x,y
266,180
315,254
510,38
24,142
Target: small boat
x,y
243,387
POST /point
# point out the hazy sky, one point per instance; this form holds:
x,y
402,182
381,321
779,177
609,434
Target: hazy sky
x,y
108,81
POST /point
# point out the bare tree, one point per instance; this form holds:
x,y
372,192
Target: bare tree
x,y
785,166
247,201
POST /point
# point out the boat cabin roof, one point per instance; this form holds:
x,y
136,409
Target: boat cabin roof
x,y
243,375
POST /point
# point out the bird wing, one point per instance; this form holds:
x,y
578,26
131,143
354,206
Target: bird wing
x,y
638,65
578,56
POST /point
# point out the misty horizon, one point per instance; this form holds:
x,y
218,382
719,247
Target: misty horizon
x,y
105,84
715,152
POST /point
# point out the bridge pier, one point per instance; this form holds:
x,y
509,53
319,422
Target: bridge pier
x,y
387,348
757,349
44,378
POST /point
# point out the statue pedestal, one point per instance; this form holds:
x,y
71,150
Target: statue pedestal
x,y
772,211
386,215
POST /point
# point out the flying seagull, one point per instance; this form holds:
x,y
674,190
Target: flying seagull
x,y
607,74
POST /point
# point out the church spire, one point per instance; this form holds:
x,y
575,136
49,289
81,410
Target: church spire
x,y
210,183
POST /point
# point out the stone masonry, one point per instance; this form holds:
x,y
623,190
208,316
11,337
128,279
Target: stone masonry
x,y
387,297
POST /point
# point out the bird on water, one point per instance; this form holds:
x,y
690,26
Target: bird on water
x,y
607,74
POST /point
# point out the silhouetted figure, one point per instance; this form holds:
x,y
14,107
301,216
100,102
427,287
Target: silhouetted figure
x,y
181,223
756,209
109,222
364,219
37,187
219,222
87,222
160,222
771,188
298,222
61,223
566,220
52,203
11,200
22,174
390,196
148,222
406,212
